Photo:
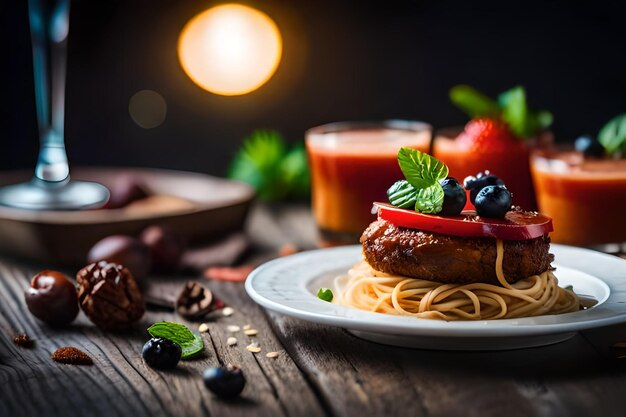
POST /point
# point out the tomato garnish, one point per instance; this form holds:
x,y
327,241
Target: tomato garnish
x,y
516,225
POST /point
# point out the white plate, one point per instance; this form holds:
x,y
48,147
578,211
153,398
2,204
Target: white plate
x,y
289,285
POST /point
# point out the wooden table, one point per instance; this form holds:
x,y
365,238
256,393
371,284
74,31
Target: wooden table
x,y
320,371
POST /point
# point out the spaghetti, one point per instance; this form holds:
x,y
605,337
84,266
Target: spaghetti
x,y
367,289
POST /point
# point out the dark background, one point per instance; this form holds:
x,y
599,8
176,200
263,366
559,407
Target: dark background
x,y
342,59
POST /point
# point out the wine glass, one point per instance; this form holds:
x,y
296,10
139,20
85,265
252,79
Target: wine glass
x,y
51,187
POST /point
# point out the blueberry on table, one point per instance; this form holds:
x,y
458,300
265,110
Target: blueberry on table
x,y
493,201
589,146
224,381
454,197
161,353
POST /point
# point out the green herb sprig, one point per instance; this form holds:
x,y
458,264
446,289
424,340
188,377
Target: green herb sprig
x,y
191,343
511,107
613,135
421,189
325,294
274,171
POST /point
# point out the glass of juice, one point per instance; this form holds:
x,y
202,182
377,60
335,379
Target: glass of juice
x,y
352,165
586,198
510,164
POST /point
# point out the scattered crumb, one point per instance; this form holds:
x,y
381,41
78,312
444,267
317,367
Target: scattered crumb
x,y
271,354
253,347
228,311
203,328
233,328
251,332
247,327
71,355
232,274
231,341
22,340
287,249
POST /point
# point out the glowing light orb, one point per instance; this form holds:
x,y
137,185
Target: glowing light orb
x,y
230,49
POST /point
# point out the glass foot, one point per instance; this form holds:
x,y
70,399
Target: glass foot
x,y
64,195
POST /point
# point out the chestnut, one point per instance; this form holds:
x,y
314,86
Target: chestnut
x,y
166,247
52,298
124,250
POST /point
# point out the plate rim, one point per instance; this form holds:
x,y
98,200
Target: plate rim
x,y
612,311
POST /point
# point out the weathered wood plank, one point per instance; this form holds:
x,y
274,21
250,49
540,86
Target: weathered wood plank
x,y
359,377
120,384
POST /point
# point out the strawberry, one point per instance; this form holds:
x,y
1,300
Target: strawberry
x,y
487,135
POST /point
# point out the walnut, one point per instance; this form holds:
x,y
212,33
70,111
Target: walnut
x,y
195,301
109,295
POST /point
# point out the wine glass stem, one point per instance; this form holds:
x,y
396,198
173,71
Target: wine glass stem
x,y
49,26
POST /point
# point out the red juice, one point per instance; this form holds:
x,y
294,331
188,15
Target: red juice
x,y
353,168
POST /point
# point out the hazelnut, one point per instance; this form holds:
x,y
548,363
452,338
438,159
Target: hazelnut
x,y
52,298
123,250
166,247
109,295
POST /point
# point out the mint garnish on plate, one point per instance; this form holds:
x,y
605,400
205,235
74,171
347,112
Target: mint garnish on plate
x,y
421,190
191,343
325,294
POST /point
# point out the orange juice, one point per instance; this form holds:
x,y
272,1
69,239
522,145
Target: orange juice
x,y
512,166
585,198
353,165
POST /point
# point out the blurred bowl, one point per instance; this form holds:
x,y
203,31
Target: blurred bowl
x,y
197,206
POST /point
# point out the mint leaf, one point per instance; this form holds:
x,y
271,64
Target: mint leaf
x,y
191,343
402,194
473,102
325,294
522,121
613,135
515,110
420,169
430,199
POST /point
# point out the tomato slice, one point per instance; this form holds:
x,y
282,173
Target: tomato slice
x,y
516,225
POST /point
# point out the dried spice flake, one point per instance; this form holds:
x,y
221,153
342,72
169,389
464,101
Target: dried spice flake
x,y
231,341
233,328
271,354
24,341
254,347
251,332
227,311
71,355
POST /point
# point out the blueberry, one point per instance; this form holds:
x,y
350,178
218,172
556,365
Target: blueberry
x,y
589,146
161,353
493,201
468,182
480,181
454,197
225,381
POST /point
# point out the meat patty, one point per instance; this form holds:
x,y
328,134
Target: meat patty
x,y
450,259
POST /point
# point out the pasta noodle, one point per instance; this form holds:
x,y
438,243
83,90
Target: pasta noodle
x,y
368,289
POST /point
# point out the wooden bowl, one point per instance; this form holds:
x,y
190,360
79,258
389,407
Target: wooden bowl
x,y
198,206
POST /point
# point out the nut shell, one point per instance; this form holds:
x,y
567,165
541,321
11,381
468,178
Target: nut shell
x,y
109,295
195,301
